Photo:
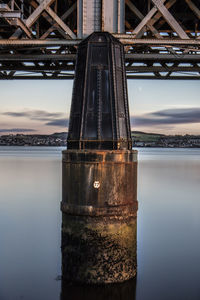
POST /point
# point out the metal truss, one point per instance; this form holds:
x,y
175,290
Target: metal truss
x,y
39,38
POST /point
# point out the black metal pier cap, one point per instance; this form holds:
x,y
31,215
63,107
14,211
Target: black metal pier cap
x,y
99,117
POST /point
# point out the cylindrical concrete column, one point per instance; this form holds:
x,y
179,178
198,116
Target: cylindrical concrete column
x,y
99,217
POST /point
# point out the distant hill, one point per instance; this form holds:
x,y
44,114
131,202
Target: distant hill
x,y
62,135
148,133
139,136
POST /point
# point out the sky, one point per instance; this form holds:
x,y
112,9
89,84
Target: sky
x,y
43,106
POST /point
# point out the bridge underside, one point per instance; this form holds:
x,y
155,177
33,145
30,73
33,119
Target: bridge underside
x,y
39,38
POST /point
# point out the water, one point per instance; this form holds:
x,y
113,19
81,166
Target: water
x,y
168,227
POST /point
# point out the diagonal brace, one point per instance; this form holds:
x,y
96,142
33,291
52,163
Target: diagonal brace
x,y
170,19
193,7
156,17
33,17
140,16
146,19
63,17
59,21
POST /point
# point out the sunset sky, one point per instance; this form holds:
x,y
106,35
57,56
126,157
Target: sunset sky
x,y
169,107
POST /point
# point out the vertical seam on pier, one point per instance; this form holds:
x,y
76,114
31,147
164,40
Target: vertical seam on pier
x,y
111,93
84,101
99,103
115,91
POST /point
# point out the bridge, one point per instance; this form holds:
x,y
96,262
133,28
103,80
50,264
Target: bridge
x,y
39,38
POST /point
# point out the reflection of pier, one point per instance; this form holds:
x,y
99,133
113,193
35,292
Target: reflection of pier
x,y
39,38
120,291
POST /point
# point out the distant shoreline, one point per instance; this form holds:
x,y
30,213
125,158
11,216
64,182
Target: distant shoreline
x,y
140,140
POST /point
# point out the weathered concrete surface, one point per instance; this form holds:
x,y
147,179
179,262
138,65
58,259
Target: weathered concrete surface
x,y
98,250
115,171
99,205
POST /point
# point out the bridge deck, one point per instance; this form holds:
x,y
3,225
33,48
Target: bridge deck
x,y
38,38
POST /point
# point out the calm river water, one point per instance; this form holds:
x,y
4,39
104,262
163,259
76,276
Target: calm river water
x,y
168,249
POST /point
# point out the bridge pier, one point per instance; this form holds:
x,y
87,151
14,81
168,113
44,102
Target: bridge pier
x,y
99,204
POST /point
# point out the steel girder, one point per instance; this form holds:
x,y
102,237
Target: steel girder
x,y
39,38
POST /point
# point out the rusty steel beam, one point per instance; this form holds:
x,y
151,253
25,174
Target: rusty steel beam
x,y
174,77
36,57
145,69
162,57
71,77
38,77
38,42
137,57
10,14
129,69
126,39
37,68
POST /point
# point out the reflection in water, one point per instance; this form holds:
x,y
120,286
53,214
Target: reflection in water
x,y
119,291
168,243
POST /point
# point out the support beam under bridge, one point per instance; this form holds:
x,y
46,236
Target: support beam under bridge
x,y
39,38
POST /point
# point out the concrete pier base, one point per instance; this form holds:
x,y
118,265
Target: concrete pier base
x,y
118,291
99,216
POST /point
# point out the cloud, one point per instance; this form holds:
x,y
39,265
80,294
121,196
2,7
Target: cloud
x,y
16,130
58,122
38,115
14,114
168,117
181,115
50,119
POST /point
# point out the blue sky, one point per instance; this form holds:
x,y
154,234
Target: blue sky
x,y
36,106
